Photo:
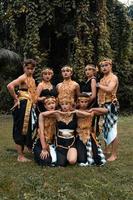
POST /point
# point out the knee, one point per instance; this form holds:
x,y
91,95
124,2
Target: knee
x,y
72,156
72,161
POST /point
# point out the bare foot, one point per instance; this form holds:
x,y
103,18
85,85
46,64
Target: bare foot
x,y
27,149
106,152
112,158
23,159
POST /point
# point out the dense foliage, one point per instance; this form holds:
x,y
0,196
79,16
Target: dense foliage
x,y
69,31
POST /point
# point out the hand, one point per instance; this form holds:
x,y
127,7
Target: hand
x,y
97,85
16,103
44,154
42,98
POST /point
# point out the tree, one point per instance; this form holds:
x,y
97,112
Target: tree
x,y
76,32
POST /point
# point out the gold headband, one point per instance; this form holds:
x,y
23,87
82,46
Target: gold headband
x,y
47,70
50,100
109,61
67,67
91,67
83,98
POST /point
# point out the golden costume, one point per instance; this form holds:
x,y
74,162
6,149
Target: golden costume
x,y
66,89
108,122
24,115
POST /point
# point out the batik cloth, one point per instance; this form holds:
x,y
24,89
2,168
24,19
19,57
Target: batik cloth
x,y
110,119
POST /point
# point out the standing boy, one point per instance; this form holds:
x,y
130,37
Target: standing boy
x,y
22,109
107,98
68,88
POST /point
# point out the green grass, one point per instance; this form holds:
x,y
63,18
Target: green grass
x,y
27,181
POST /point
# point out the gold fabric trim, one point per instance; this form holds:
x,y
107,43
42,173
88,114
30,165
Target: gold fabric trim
x,y
30,82
106,97
66,90
25,95
49,129
58,145
85,129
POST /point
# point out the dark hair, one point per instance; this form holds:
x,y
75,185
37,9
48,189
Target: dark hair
x,y
29,61
83,95
91,65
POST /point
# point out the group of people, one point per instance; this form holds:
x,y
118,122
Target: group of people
x,y
61,124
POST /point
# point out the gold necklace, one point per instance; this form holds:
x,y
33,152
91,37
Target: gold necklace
x,y
66,118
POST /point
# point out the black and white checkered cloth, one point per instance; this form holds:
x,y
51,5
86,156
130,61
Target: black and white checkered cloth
x,y
99,155
110,118
33,119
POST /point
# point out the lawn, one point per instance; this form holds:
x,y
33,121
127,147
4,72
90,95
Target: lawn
x,y
27,181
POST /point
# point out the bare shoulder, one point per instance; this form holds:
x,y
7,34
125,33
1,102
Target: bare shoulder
x,y
93,80
115,78
76,84
19,80
40,85
58,85
22,78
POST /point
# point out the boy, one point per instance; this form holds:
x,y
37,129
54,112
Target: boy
x,y
43,148
107,98
68,88
89,150
22,109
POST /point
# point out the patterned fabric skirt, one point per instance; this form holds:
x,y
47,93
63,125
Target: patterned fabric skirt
x,y
110,122
18,121
95,155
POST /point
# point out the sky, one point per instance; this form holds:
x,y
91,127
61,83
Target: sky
x,y
128,2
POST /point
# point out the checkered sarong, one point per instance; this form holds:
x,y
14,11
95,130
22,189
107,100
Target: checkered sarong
x,y
94,156
110,118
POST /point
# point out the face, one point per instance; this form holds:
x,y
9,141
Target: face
x,y
66,72
65,106
29,70
47,76
50,105
106,67
83,103
89,71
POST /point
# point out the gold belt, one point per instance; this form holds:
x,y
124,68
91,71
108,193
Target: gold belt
x,y
25,95
68,147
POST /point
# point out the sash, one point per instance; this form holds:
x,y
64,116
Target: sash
x,y
22,96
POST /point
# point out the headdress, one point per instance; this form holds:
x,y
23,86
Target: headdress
x,y
91,66
106,60
67,67
50,99
47,70
84,96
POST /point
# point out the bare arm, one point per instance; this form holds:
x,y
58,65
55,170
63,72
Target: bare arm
x,y
52,113
93,90
11,86
44,153
57,87
77,90
39,90
113,83
98,111
81,113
